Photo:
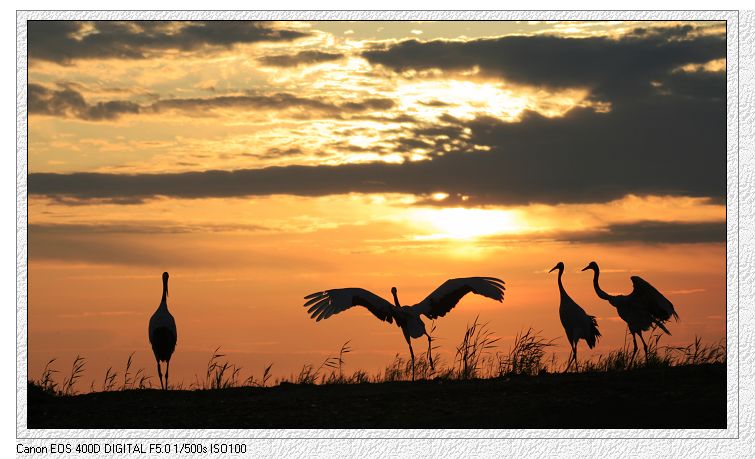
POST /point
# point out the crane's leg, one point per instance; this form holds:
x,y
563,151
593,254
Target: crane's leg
x,y
634,338
160,374
571,357
576,366
411,352
167,369
645,346
430,351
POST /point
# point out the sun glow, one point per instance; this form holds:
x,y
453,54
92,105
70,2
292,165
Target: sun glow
x,y
461,223
430,99
469,99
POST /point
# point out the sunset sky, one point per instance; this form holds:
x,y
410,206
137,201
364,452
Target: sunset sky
x,y
261,162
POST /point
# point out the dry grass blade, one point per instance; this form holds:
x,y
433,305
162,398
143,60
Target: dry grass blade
x,y
396,370
616,360
77,369
145,382
126,381
359,377
266,374
46,381
698,353
654,357
477,340
526,356
345,349
219,375
109,382
307,375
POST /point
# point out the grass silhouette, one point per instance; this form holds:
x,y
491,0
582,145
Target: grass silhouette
x,y
77,370
526,356
482,386
475,357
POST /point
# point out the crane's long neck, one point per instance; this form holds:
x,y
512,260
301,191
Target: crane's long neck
x,y
164,300
601,294
395,299
560,285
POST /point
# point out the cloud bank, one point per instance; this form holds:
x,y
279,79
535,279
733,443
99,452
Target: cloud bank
x,y
612,68
65,41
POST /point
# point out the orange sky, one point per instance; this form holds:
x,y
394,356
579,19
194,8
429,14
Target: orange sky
x,y
315,99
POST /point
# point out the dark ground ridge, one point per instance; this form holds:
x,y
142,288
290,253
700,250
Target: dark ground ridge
x,y
680,397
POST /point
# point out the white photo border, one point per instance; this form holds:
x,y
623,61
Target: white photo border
x,y
737,319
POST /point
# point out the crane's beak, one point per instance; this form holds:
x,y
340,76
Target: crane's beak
x,y
554,268
586,268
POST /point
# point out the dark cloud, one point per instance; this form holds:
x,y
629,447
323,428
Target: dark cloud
x,y
654,232
668,146
390,118
699,84
435,103
666,33
78,201
672,141
410,143
65,41
276,153
612,68
68,102
641,232
671,146
374,103
280,101
301,58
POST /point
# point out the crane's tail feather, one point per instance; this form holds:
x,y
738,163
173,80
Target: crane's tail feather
x,y
662,327
594,334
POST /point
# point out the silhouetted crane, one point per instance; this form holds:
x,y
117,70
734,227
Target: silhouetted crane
x,y
641,309
163,334
577,323
328,302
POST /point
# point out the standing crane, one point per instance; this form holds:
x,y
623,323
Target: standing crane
x,y
328,302
163,334
577,323
643,308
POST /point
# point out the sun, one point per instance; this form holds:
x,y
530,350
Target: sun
x,y
462,223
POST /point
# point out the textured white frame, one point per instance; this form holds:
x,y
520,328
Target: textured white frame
x,y
326,442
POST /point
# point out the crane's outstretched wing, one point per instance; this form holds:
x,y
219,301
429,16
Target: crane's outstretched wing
x,y
445,297
657,305
326,303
